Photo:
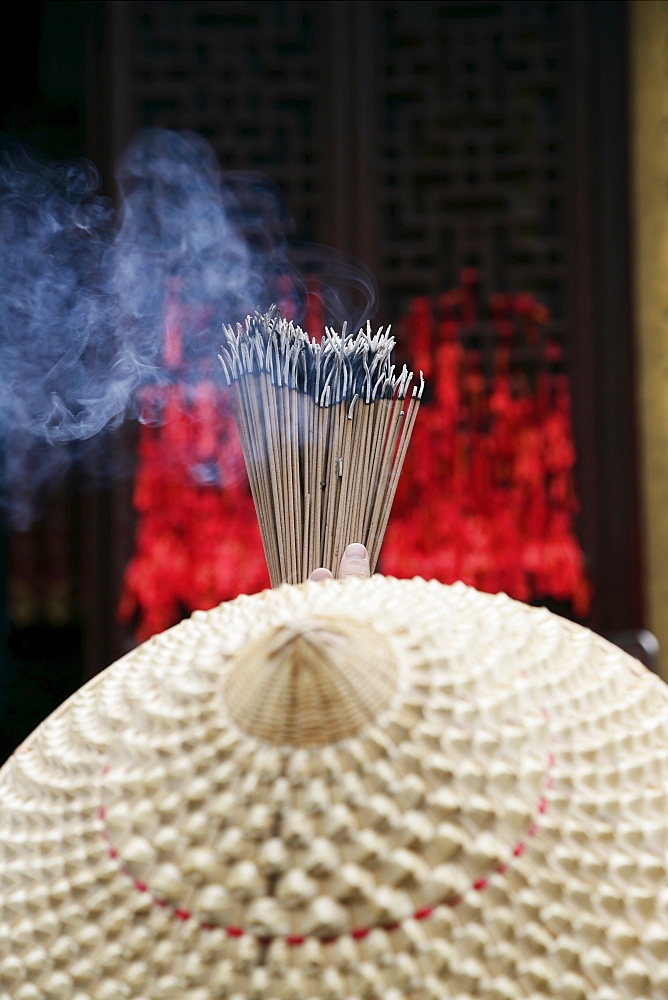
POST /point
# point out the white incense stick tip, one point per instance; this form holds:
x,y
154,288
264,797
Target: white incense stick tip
x,y
226,372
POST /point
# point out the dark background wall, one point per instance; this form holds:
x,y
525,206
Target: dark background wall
x,y
418,137
43,102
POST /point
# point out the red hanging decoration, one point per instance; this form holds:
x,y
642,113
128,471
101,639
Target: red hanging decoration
x,y
197,541
487,493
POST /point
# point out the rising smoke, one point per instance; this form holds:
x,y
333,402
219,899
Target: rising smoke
x,y
84,287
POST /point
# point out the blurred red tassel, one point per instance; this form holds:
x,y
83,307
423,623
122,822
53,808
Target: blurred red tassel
x,y
487,493
197,542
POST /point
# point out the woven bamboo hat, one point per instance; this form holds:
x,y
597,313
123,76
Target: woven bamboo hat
x,y
353,790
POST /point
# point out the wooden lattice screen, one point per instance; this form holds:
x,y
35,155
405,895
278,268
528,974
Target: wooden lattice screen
x,y
421,137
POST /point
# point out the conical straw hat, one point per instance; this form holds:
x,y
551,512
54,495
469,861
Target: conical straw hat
x,y
352,790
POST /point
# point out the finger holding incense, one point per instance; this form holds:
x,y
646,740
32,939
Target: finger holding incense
x,y
354,562
321,574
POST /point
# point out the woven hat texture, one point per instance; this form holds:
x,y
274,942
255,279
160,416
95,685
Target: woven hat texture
x,y
349,790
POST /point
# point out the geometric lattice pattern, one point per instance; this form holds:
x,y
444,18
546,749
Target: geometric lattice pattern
x,y
470,159
463,159
246,76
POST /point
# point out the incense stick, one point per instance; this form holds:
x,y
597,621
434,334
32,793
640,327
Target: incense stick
x,y
324,432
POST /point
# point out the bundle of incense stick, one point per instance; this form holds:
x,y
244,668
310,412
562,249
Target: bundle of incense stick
x,y
324,429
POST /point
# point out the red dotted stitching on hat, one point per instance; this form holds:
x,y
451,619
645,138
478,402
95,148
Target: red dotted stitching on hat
x,y
358,933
